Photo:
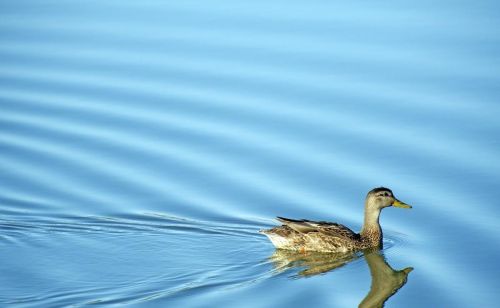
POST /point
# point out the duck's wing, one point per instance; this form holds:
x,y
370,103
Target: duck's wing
x,y
328,228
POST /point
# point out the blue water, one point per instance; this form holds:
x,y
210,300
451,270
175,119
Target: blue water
x,y
144,144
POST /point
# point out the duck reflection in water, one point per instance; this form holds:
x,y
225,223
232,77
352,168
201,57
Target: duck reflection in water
x,y
385,280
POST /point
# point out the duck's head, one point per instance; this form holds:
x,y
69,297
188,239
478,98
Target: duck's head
x,y
381,197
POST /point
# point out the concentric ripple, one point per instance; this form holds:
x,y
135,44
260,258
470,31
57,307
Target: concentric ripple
x,y
144,144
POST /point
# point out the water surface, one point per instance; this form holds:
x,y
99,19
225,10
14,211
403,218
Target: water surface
x,y
143,145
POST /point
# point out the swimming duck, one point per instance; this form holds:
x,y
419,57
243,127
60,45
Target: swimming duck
x,y
307,235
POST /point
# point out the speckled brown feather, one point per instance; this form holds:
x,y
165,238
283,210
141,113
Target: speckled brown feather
x,y
320,236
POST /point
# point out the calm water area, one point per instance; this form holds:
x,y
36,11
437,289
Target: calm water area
x,y
143,145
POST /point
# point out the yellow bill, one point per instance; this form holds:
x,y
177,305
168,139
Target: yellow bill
x,y
400,204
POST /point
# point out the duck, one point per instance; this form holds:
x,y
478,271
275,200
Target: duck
x,y
320,236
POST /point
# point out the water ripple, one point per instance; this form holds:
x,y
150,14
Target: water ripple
x,y
227,114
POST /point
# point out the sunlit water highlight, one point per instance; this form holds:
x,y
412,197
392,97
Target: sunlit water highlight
x,y
143,145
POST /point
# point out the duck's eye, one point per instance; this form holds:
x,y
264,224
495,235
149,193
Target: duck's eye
x,y
386,194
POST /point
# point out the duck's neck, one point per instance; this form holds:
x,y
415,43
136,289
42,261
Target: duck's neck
x,y
371,231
